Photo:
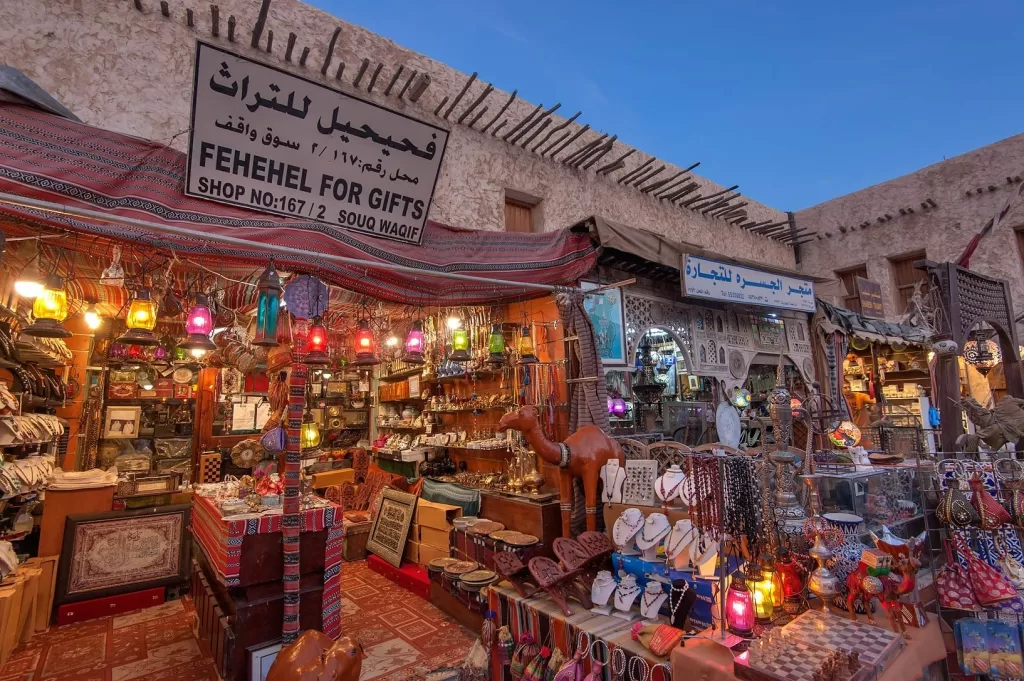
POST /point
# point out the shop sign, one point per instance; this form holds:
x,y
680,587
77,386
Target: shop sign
x,y
704,278
267,140
870,294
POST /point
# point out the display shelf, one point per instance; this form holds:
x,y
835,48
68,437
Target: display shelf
x,y
468,376
410,429
407,399
400,375
468,410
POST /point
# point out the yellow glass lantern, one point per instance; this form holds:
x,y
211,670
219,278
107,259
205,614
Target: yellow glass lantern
x,y
527,355
141,321
49,309
762,588
309,434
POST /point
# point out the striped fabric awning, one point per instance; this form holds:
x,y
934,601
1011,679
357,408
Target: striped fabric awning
x,y
46,157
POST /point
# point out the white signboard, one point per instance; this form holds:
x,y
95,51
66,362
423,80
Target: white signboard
x,y
703,278
270,141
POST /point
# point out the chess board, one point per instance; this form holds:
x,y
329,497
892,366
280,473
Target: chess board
x,y
877,646
793,660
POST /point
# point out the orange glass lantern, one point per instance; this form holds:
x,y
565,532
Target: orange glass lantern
x,y
49,309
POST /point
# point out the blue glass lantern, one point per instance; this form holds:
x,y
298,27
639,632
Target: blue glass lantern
x,y
268,307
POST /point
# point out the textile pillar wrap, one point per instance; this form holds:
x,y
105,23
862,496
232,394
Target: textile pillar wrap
x,y
290,518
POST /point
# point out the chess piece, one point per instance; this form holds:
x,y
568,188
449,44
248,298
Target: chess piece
x,y
612,477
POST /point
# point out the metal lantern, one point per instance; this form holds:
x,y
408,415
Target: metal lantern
x,y
496,346
141,321
366,350
268,307
460,345
982,352
739,607
198,326
794,580
316,344
309,434
762,591
527,355
49,310
414,344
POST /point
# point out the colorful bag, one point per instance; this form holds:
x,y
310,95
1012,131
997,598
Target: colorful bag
x,y
660,639
954,591
990,513
554,664
506,645
989,586
954,509
535,669
572,670
521,658
274,440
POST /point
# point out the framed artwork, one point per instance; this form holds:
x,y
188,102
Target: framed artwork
x,y
606,313
122,375
390,528
105,554
261,657
122,422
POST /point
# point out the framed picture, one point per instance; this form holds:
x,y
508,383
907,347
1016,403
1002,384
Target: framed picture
x,y
605,310
390,528
122,422
105,554
261,657
122,376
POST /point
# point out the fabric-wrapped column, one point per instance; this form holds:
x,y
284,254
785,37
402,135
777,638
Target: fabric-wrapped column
x,y
290,519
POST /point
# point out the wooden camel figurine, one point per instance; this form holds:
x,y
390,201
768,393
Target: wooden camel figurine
x,y
314,656
589,448
886,588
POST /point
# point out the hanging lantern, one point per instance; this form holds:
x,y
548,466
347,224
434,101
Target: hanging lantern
x,y
618,407
761,594
316,344
414,344
268,307
794,579
740,398
739,607
49,310
460,344
525,347
774,577
92,317
366,351
795,403
496,346
29,284
198,325
982,352
141,321
309,434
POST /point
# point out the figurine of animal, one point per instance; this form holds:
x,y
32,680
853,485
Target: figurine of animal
x,y
315,656
589,448
886,588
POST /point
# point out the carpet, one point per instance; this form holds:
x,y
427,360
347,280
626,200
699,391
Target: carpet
x,y
403,635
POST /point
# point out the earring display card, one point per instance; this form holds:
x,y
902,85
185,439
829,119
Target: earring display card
x,y
638,489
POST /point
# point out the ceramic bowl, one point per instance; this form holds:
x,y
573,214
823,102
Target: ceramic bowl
x,y
847,522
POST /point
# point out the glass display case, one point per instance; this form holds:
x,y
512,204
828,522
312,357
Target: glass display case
x,y
889,496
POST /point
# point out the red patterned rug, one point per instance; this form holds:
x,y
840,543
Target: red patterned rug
x,y
403,635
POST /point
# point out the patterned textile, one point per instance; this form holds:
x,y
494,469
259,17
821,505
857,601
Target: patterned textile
x,y
290,517
46,157
453,495
588,400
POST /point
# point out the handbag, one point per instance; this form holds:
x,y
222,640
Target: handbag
x,y
954,509
989,586
535,670
1010,566
524,654
990,513
274,440
572,669
954,591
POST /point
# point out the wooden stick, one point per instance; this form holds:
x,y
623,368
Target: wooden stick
x,y
138,5
724,210
476,102
231,28
577,160
636,171
394,79
498,127
330,51
616,164
291,46
522,122
304,56
557,140
362,69
421,87
724,191
773,225
270,41
572,139
458,98
164,9
405,87
618,284
677,183
341,70
540,128
686,189
507,104
515,139
477,117
714,204
638,181
585,148
214,18
660,183
441,105
373,78
190,18
605,148
261,23
555,129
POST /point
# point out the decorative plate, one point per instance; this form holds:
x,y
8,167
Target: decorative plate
x,y
501,535
441,563
521,539
485,527
728,425
737,364
479,576
182,375
461,567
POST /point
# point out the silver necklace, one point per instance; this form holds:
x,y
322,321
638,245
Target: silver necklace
x,y
643,534
675,606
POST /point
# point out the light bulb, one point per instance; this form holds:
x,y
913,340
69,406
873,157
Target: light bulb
x,y
28,288
198,352
392,341
327,375
92,317
454,322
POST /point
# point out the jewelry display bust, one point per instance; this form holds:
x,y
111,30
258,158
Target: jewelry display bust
x,y
679,542
651,600
680,600
601,592
667,487
655,528
626,527
612,477
625,594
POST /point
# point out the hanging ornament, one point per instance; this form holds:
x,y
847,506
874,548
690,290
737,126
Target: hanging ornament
x,y
198,325
316,344
527,354
49,310
414,344
268,307
496,347
460,344
113,275
306,297
141,321
366,351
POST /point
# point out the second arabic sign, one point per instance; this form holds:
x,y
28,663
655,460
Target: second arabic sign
x,y
270,141
703,278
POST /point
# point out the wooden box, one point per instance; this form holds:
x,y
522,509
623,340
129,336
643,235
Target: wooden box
x,y
438,516
439,539
111,605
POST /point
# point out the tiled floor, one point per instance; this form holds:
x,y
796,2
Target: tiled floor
x,y
403,635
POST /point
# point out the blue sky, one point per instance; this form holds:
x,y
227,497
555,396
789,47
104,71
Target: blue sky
x,y
797,102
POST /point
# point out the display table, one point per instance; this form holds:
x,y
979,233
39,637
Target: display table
x,y
709,661
539,616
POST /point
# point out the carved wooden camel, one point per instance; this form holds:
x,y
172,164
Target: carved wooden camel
x,y
315,656
589,449
859,585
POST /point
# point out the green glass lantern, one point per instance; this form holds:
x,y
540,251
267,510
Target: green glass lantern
x,y
496,346
460,345
268,307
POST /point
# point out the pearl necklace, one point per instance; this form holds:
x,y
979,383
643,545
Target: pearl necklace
x,y
675,606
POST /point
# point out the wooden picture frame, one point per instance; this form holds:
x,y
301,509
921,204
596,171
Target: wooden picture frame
x,y
116,552
607,312
390,529
261,658
121,422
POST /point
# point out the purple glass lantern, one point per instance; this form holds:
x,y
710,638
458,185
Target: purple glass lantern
x,y
414,344
618,406
198,325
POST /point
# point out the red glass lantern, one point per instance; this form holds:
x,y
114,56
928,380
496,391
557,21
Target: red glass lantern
x,y
414,344
198,325
366,350
794,579
739,607
316,344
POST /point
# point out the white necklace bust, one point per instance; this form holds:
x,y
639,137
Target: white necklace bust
x,y
626,593
654,530
627,526
612,477
651,601
667,487
603,587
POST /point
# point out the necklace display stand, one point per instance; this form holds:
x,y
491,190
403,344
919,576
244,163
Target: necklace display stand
x,y
680,600
654,529
625,530
601,592
612,477
668,486
651,601
625,594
